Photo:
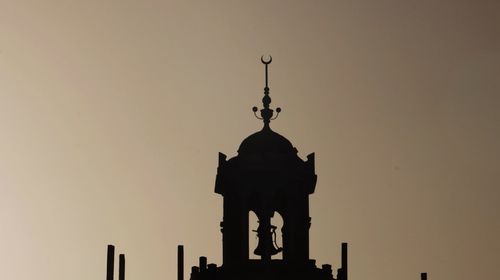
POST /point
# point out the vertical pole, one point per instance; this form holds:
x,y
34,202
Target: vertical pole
x,y
203,264
180,262
121,267
344,260
111,262
423,276
266,77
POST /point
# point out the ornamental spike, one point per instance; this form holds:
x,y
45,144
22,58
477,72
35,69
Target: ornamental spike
x,y
266,114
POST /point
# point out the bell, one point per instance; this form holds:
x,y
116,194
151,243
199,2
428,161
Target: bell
x,y
266,248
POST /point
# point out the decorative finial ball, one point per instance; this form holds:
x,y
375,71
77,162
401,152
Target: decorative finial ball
x,y
254,109
278,109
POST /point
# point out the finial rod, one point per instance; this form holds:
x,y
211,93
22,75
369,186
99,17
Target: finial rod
x,y
266,63
266,114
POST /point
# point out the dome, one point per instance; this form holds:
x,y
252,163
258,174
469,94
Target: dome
x,y
266,141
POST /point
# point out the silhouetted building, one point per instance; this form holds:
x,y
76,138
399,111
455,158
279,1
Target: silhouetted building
x,y
268,178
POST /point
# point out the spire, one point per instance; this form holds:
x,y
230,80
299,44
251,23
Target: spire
x,y
266,114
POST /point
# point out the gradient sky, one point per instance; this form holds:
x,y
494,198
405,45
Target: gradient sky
x,y
112,114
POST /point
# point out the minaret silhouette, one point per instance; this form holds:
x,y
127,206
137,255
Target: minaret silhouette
x,y
268,178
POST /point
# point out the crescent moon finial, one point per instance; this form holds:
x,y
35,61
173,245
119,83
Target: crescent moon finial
x,y
266,114
266,62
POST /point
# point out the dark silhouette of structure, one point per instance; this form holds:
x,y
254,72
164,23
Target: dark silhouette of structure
x,y
267,178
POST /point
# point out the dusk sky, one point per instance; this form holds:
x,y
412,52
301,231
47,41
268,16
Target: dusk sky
x,y
112,115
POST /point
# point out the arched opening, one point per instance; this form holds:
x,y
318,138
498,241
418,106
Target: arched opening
x,y
277,221
253,240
